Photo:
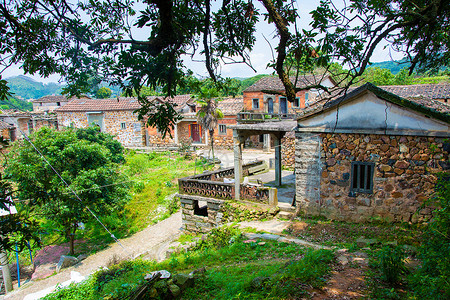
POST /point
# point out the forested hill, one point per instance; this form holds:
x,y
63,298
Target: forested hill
x,y
27,88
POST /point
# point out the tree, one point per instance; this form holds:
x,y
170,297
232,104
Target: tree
x,y
99,39
15,229
103,93
209,112
85,159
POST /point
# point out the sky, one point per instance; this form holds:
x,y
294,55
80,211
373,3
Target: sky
x,y
260,56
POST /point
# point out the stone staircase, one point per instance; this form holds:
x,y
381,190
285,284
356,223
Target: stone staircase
x,y
286,211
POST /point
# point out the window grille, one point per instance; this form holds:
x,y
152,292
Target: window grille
x,y
123,125
362,177
222,129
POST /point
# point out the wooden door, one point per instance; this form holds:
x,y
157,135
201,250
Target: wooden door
x,y
195,133
283,106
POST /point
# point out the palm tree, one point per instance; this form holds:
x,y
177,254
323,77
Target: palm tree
x,y
209,112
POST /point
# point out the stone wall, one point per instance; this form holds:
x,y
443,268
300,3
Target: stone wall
x,y
404,176
203,221
133,135
288,151
219,212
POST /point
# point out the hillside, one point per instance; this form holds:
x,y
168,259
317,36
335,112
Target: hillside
x,y
28,88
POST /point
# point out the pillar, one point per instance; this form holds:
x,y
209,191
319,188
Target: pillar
x,y
5,270
237,164
277,143
267,142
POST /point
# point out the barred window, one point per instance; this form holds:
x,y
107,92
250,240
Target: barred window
x,y
222,129
362,177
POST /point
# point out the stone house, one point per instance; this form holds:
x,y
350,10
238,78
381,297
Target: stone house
x,y
26,122
188,130
8,131
49,103
371,154
114,116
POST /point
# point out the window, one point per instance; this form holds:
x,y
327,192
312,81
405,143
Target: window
x,y
306,99
297,102
255,103
58,103
362,177
222,129
123,125
261,138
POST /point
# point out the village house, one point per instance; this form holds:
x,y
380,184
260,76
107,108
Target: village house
x,y
8,131
49,103
372,154
24,122
113,116
189,131
117,117
367,155
263,102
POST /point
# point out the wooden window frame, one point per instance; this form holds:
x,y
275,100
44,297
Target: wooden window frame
x,y
255,101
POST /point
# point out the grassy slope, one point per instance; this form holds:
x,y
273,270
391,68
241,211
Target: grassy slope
x,y
288,270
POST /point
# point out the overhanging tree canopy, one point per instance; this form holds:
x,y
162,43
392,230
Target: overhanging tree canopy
x,y
141,42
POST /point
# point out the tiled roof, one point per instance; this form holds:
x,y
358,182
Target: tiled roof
x,y
13,112
274,83
4,125
121,103
179,100
435,108
428,91
50,99
231,106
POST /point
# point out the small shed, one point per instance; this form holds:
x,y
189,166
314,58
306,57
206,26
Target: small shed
x,y
371,154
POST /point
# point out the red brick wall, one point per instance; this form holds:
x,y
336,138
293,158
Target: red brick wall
x,y
249,96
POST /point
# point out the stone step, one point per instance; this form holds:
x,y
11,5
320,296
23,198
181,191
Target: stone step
x,y
285,215
286,207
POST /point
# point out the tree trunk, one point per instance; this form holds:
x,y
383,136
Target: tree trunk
x,y
211,136
71,236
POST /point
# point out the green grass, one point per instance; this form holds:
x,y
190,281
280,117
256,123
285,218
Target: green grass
x,y
344,234
233,271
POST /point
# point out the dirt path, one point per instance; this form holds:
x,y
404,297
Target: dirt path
x,y
147,242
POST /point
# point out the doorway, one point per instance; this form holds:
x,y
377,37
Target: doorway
x,y
270,106
195,133
283,105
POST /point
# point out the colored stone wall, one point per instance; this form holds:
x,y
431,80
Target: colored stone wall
x,y
404,176
133,135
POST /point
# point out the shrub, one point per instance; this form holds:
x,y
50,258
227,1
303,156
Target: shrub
x,y
219,237
391,264
432,279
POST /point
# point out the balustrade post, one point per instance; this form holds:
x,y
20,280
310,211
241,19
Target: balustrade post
x,y
237,164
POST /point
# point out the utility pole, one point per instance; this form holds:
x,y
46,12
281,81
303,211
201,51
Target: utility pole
x,y
5,271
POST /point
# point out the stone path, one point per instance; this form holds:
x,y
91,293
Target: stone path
x,y
275,228
146,243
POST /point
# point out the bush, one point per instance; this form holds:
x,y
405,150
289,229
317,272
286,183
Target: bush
x,y
219,237
432,279
391,264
